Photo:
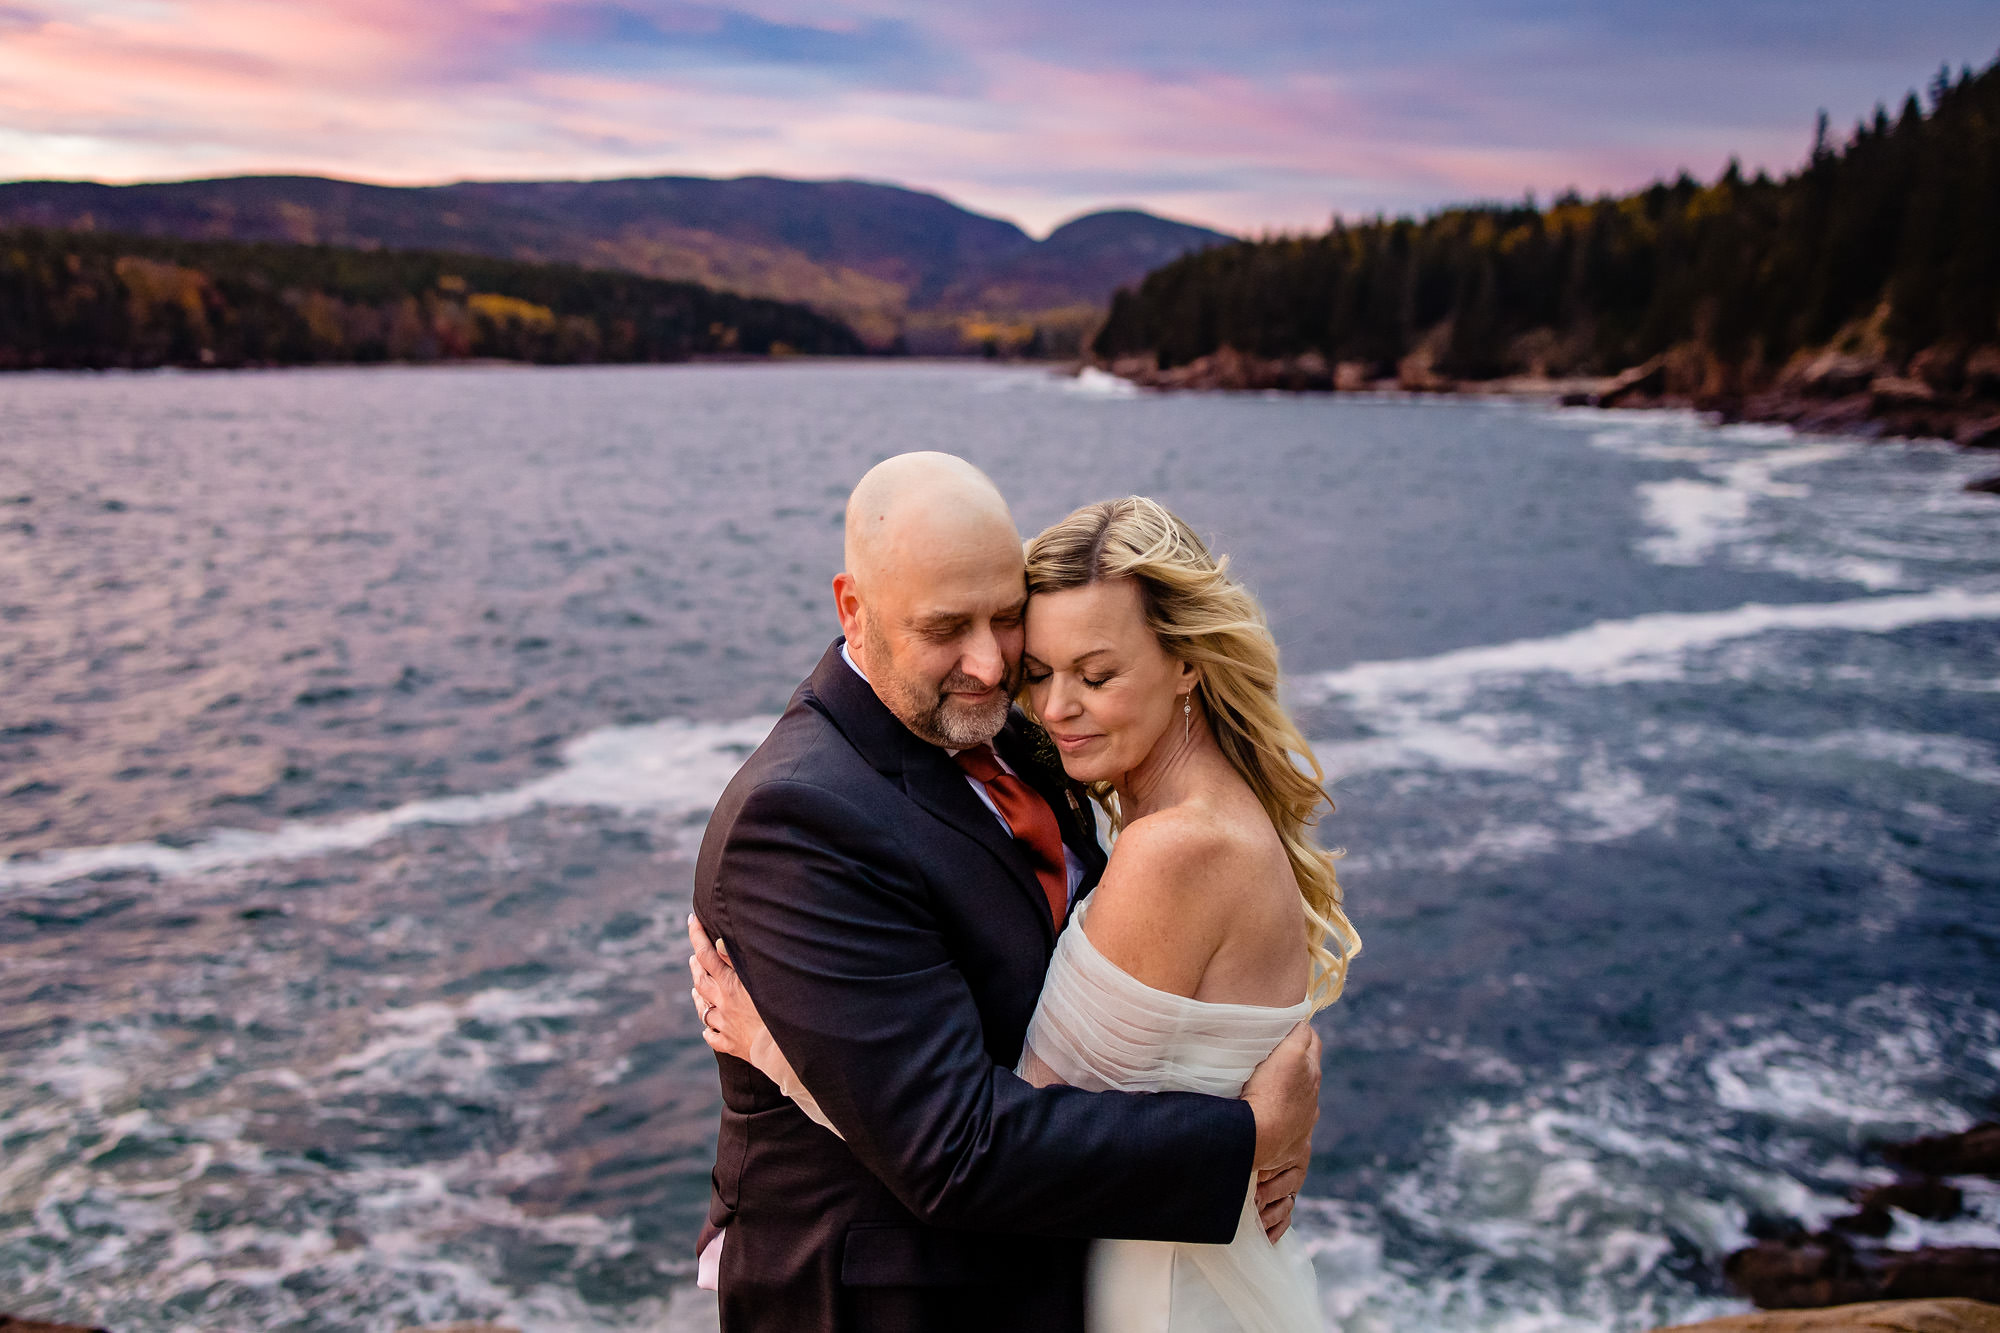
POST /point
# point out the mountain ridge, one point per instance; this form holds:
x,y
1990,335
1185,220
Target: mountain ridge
x,y
904,267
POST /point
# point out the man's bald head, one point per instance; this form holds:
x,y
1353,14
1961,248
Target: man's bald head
x,y
910,504
933,595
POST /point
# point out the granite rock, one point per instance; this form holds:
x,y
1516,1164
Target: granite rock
x,y
1942,1316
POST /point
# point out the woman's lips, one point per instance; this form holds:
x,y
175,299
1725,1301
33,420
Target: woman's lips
x,y
1072,742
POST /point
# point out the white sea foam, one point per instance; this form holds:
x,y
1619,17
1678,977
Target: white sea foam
x,y
1880,516
1490,742
119,1241
125,1242
1616,802
1695,517
1547,781
1976,1227
1558,1207
1643,648
663,768
1785,1079
1095,383
1756,432
1957,756
1748,507
678,768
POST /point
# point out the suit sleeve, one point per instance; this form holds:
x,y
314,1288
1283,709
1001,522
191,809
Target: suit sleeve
x,y
828,924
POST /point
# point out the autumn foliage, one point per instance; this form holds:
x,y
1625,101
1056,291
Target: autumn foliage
x,y
89,300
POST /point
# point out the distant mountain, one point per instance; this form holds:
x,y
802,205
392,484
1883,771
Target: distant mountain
x,y
894,263
1087,259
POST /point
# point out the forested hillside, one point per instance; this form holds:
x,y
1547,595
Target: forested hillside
x,y
1884,247
87,300
901,267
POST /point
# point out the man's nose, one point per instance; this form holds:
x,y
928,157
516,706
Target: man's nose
x,y
983,660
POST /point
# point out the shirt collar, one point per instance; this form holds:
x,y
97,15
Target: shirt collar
x,y
848,658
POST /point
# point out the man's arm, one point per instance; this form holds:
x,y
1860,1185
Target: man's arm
x,y
731,1025
828,925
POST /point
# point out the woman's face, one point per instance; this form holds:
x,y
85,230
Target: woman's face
x,y
1099,680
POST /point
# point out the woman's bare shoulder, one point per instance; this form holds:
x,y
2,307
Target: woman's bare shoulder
x,y
1191,831
1164,906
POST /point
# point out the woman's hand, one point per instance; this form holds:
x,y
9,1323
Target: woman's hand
x,y
730,1023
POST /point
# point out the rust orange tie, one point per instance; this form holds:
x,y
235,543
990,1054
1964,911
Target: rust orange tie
x,y
1034,824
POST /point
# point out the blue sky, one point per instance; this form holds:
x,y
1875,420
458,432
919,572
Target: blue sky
x,y
1266,114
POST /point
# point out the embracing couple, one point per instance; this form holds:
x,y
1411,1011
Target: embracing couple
x,y
975,1074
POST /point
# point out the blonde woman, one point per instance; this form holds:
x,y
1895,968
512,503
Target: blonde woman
x,y
1218,923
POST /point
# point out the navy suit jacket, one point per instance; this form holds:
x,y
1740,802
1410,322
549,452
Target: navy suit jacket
x,y
894,938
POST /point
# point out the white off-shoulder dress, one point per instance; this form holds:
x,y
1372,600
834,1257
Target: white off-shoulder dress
x,y
1100,1028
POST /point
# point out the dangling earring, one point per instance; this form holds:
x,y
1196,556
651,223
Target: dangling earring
x,y
1187,717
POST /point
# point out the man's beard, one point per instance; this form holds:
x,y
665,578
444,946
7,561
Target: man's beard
x,y
936,714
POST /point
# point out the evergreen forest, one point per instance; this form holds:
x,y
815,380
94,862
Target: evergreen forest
x,y
1884,245
86,300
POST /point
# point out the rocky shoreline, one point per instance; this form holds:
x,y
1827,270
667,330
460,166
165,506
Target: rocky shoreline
x,y
1936,397
1847,1261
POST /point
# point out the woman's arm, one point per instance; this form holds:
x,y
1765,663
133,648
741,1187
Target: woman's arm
x,y
731,1024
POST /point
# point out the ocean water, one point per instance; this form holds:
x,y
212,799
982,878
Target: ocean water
x,y
358,728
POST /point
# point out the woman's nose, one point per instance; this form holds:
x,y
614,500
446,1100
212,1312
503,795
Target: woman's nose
x,y
1063,701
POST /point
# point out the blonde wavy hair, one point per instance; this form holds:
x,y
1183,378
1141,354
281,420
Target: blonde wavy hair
x,y
1201,615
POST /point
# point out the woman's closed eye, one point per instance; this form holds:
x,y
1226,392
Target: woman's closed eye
x,y
1036,675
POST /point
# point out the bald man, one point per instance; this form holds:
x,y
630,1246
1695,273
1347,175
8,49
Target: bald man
x,y
890,893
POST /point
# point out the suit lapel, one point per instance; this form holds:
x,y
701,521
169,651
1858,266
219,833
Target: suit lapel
x,y
927,774
942,788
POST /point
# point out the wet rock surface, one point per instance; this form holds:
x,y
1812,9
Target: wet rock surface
x,y
1976,1152
1791,1268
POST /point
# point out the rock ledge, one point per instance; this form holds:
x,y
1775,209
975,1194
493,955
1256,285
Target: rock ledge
x,y
1940,1316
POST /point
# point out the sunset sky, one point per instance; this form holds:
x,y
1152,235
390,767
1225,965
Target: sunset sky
x,y
1253,115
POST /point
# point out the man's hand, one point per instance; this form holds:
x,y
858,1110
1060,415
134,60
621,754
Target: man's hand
x,y
1284,1096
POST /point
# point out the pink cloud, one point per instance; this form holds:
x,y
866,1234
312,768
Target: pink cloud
x,y
395,91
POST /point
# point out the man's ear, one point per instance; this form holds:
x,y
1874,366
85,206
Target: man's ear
x,y
847,605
